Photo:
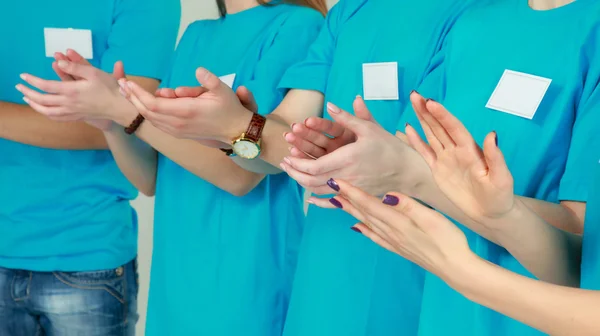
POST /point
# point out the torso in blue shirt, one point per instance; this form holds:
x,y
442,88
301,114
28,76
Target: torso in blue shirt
x,y
550,155
345,284
223,265
61,209
590,264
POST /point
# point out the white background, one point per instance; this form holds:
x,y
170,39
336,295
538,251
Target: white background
x,y
192,10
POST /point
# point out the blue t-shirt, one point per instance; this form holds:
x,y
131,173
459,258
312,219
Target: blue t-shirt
x,y
345,284
590,264
551,155
223,265
63,209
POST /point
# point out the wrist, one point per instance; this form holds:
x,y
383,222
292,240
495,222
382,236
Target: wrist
x,y
464,274
504,229
125,113
237,125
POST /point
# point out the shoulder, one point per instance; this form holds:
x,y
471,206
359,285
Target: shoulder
x,y
294,15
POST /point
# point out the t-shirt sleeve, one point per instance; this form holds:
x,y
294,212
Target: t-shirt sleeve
x,y
313,71
143,36
584,150
289,46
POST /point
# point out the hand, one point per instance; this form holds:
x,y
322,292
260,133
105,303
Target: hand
x,y
318,137
215,113
93,94
244,95
403,226
374,162
477,181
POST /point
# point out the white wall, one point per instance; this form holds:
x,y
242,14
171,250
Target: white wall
x,y
192,10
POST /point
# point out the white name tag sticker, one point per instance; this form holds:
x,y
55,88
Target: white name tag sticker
x,y
380,81
59,40
228,80
519,93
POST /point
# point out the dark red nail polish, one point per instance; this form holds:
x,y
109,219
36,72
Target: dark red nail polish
x,y
336,203
355,229
333,185
391,200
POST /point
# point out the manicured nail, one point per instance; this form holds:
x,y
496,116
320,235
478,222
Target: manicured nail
x,y
18,87
285,134
355,229
414,91
310,201
496,136
429,99
203,73
282,167
406,125
332,108
23,77
391,200
62,64
333,185
292,126
287,160
336,203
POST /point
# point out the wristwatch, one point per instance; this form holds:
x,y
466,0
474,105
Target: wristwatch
x,y
247,145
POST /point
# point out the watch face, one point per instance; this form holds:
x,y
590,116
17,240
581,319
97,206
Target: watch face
x,y
246,149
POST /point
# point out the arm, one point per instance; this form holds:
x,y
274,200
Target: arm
x,y
20,123
552,309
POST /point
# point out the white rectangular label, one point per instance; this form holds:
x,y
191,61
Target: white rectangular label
x,y
59,40
380,81
519,93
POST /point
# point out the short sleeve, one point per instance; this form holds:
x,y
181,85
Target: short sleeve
x,y
143,36
584,150
313,71
289,46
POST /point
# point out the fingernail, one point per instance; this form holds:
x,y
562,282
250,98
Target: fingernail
x,y
355,229
310,201
429,99
414,91
122,92
18,87
332,108
305,120
406,125
292,126
333,185
130,84
62,64
336,203
26,100
391,200
23,76
282,167
287,160
358,97
496,135
202,72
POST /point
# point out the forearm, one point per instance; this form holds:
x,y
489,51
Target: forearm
x,y
553,309
20,123
558,215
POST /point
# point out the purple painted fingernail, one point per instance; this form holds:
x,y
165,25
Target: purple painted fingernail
x,y
406,125
391,200
333,185
355,229
414,91
496,134
336,203
429,99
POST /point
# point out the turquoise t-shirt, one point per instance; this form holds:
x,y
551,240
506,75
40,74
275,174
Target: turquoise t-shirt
x,y
223,265
345,284
590,264
551,155
61,209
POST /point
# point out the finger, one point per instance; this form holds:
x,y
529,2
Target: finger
x,y
304,146
420,216
295,152
155,104
321,166
437,128
189,91
247,99
53,112
307,181
454,128
324,126
324,203
49,86
317,138
61,74
210,80
166,93
361,110
419,105
74,56
417,143
498,169
347,120
118,70
377,239
165,123
354,210
41,98
77,70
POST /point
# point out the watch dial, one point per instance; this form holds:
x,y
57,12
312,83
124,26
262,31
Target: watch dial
x,y
246,149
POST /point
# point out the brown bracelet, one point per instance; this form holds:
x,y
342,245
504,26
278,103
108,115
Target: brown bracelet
x,y
135,124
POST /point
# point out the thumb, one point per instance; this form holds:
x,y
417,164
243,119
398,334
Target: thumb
x,y
498,170
361,110
75,69
74,56
247,98
118,70
209,80
346,119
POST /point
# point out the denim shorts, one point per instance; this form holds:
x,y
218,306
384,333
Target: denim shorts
x,y
99,303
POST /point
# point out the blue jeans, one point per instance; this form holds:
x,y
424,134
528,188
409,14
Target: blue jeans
x,y
99,303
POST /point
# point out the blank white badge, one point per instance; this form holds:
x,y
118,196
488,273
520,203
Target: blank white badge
x,y
228,80
60,39
380,81
519,94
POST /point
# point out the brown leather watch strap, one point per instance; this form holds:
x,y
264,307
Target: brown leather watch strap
x,y
255,128
135,124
